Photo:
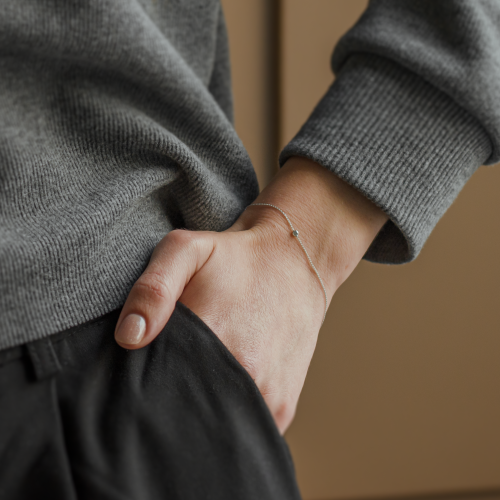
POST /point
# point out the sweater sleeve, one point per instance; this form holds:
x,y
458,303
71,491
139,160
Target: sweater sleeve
x,y
413,112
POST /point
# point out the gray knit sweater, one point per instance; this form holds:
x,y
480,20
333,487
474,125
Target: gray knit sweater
x,y
116,126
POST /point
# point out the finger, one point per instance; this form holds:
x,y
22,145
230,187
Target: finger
x,y
150,303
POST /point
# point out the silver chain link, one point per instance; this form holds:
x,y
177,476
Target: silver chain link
x,y
295,233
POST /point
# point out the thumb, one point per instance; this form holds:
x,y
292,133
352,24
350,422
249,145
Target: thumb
x,y
151,301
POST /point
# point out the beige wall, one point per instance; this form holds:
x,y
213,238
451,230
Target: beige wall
x,y
403,394
254,72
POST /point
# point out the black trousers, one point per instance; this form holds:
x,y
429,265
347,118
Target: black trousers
x,y
82,418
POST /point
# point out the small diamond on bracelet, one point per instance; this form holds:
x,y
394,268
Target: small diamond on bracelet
x,y
295,233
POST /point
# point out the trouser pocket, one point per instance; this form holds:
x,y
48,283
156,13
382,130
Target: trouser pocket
x,y
179,419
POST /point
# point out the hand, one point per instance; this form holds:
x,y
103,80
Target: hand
x,y
255,294
252,284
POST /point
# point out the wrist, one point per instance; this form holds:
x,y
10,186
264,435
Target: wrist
x,y
336,222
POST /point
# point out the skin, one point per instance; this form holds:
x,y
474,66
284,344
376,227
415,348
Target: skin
x,y
252,284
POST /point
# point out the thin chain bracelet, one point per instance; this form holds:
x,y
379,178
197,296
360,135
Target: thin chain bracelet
x,y
295,233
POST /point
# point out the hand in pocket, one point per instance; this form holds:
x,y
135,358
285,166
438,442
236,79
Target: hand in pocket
x,y
252,284
252,288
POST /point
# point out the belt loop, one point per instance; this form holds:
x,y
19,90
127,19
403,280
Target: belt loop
x,y
44,358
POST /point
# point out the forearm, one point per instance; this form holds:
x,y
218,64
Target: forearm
x,y
411,114
336,223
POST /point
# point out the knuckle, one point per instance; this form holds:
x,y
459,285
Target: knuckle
x,y
251,367
181,236
282,405
188,241
251,360
284,413
153,285
180,242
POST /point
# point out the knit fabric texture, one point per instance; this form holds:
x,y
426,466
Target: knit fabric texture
x,y
116,127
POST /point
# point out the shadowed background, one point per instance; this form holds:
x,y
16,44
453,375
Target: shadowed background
x,y
402,397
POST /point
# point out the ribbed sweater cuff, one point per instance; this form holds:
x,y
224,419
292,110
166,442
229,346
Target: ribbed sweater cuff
x,y
403,143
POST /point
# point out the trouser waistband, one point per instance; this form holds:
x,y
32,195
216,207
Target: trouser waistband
x,y
42,353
